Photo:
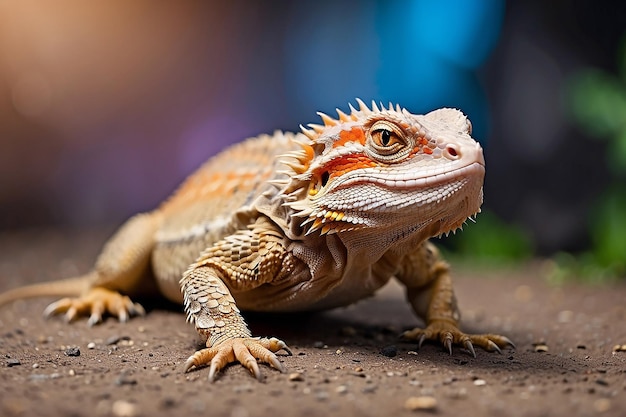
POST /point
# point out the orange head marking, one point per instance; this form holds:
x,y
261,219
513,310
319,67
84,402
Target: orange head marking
x,y
356,134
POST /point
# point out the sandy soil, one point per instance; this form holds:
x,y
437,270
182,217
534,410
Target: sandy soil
x,y
564,363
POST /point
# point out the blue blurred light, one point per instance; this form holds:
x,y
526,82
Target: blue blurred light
x,y
422,54
460,31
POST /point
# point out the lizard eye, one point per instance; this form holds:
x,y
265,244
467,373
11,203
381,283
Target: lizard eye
x,y
386,140
385,137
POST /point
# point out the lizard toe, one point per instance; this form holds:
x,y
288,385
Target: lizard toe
x,y
448,334
95,304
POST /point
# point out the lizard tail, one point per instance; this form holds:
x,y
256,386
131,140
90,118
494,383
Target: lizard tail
x,y
70,287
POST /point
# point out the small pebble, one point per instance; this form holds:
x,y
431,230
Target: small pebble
x,y
619,348
72,351
341,389
420,403
243,388
124,379
461,393
115,339
319,345
523,293
296,376
602,405
321,395
123,408
91,345
565,316
540,347
41,377
480,382
11,362
389,351
369,389
168,403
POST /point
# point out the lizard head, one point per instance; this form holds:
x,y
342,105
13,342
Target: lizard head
x,y
377,169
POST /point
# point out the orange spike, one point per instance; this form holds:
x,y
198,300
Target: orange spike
x,y
317,223
297,167
309,133
309,154
353,112
318,128
342,116
328,121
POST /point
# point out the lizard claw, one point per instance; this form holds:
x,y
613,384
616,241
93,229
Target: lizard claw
x,y
447,342
96,303
470,347
420,340
244,350
448,334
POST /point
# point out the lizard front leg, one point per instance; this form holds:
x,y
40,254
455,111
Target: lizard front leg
x,y
430,292
244,261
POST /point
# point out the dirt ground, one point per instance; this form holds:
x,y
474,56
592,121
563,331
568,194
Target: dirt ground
x,y
343,362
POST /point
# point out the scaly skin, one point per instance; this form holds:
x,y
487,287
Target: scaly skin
x,y
293,222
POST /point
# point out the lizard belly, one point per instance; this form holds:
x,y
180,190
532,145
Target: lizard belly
x,y
344,295
303,293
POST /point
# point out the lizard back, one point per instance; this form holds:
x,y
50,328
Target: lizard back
x,y
212,203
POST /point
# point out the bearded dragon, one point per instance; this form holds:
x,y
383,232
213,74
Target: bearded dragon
x,y
298,221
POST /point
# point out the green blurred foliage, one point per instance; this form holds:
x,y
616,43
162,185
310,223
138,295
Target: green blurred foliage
x,y
491,241
597,102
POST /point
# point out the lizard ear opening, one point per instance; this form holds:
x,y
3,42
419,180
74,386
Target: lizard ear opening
x,y
318,182
324,178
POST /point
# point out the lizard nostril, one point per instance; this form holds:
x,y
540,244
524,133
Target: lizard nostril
x,y
452,152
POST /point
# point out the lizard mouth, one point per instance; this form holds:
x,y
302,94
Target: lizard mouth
x,y
405,181
451,197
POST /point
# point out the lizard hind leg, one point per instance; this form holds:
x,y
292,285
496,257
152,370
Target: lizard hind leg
x,y
121,268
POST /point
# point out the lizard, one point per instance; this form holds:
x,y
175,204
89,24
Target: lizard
x,y
289,222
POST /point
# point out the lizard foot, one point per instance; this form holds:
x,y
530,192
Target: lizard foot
x,y
96,302
448,334
245,350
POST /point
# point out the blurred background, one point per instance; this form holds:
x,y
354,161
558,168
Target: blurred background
x,y
106,106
